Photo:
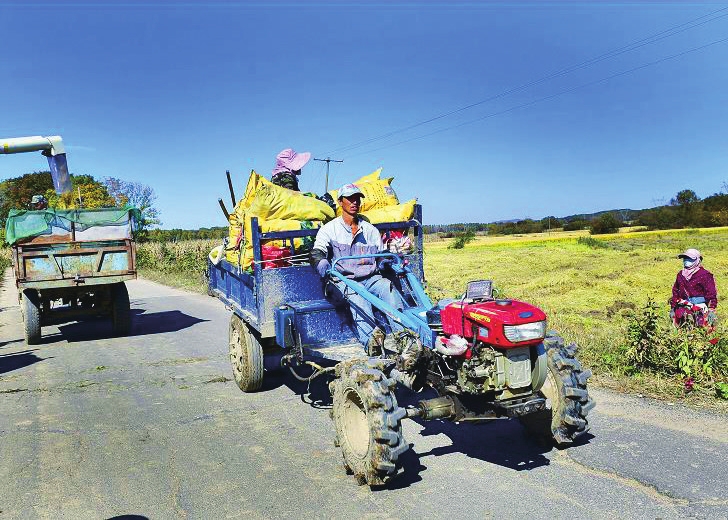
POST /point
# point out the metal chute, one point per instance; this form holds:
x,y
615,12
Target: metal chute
x,y
52,147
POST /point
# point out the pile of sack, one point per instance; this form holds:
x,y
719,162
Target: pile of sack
x,y
380,204
281,209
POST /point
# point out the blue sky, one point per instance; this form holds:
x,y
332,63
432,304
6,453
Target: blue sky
x,y
174,93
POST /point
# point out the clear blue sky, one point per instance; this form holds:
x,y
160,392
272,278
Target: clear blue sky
x,y
175,93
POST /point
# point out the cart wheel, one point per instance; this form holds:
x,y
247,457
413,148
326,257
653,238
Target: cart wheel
x,y
120,313
31,316
246,356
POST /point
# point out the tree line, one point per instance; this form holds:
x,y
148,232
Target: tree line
x,y
87,192
685,210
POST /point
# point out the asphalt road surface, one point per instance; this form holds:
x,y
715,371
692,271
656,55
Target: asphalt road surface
x,y
93,426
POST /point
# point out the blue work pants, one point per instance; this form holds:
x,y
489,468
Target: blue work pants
x,y
361,310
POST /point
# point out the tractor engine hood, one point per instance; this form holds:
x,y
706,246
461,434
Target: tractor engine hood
x,y
503,323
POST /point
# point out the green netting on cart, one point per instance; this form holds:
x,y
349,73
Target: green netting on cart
x,y
86,223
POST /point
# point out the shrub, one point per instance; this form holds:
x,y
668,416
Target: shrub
x,y
690,354
606,223
575,225
461,239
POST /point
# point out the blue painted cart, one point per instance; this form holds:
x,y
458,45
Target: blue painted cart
x,y
286,307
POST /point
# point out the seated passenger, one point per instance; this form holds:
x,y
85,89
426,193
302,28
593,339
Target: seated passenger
x,y
693,292
348,235
288,167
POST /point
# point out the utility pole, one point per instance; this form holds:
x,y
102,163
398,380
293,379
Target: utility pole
x,y
328,161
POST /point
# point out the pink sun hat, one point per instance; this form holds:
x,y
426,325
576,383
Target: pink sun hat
x,y
289,161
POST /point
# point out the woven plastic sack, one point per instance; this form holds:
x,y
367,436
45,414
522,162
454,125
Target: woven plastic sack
x,y
372,177
244,244
273,202
397,213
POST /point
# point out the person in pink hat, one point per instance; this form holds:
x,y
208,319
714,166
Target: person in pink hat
x,y
694,291
288,168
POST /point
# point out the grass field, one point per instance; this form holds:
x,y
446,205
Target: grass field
x,y
587,289
587,285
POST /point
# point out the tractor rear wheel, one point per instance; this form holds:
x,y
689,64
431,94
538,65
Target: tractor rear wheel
x,y
120,312
368,421
31,316
565,390
246,355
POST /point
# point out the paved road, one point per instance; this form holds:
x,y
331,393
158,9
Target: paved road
x,y
95,427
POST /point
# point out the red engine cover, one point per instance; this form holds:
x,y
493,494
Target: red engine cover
x,y
485,320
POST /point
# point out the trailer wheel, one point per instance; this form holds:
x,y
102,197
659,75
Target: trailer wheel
x,y
120,312
31,316
566,393
368,422
246,356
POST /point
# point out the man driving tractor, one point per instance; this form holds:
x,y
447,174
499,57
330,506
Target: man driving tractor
x,y
694,294
349,235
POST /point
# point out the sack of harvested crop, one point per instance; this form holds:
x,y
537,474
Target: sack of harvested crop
x,y
397,213
273,202
244,239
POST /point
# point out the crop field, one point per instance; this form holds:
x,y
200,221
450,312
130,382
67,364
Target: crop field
x,y
589,286
4,258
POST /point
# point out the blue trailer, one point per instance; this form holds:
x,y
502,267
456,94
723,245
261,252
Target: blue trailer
x,y
486,358
287,307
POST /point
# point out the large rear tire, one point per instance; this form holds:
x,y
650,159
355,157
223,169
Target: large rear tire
x,y
568,401
120,310
246,356
368,421
31,316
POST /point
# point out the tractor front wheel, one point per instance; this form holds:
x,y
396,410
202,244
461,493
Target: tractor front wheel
x,y
565,390
368,422
246,355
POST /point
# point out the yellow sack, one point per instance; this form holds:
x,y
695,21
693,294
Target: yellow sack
x,y
255,181
273,202
266,226
374,176
397,213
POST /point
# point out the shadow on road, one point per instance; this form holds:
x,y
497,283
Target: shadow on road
x,y
142,324
503,442
10,362
6,343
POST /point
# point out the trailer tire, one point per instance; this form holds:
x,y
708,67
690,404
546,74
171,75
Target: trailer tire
x,y
246,355
120,310
368,422
566,391
31,316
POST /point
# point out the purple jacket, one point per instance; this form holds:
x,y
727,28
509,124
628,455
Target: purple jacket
x,y
700,284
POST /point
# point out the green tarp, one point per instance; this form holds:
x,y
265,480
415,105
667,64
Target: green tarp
x,y
25,223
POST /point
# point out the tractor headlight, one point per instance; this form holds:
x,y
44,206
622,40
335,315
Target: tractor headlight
x,y
525,332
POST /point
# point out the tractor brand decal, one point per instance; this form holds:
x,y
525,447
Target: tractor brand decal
x,y
479,317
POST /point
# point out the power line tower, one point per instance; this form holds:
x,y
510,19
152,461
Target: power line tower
x,y
328,162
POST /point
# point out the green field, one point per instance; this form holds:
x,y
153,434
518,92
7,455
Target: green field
x,y
588,289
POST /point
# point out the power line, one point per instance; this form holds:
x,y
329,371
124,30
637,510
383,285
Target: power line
x,y
610,54
545,98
